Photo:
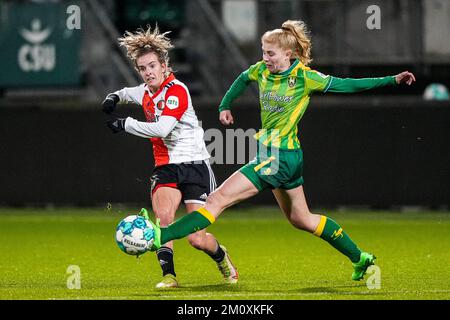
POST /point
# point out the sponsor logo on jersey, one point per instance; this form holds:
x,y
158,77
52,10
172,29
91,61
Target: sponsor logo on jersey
x,y
273,96
172,102
267,107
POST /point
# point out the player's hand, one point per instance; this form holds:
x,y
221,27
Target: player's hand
x,y
226,118
109,104
116,125
405,77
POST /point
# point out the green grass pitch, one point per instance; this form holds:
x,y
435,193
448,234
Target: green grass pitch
x,y
275,261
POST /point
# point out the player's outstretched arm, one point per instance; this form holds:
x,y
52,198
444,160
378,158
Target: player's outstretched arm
x,y
351,85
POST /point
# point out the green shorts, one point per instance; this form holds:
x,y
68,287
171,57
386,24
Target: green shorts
x,y
276,168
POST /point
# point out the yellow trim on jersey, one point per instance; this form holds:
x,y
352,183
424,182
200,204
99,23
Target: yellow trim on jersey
x,y
208,215
321,226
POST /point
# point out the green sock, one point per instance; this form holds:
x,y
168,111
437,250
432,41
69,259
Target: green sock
x,y
193,222
331,232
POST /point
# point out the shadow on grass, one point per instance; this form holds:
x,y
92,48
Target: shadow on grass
x,y
220,288
340,290
226,290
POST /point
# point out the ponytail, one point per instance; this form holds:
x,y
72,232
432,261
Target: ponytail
x,y
292,35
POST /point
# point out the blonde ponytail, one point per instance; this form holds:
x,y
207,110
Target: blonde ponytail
x,y
293,35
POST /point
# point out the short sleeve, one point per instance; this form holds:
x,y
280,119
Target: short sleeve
x,y
176,100
316,81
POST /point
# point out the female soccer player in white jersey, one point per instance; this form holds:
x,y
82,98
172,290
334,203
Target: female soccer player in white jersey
x,y
286,84
182,171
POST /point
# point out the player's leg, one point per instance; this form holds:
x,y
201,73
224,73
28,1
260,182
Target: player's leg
x,y
165,202
205,241
235,189
196,182
293,203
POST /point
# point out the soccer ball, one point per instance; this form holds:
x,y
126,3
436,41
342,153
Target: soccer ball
x,y
436,91
135,235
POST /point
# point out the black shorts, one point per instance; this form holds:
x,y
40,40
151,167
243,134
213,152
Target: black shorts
x,y
195,180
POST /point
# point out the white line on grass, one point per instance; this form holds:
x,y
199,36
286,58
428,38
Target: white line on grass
x,y
257,294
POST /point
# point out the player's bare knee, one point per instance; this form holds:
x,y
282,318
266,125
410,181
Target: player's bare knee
x,y
297,223
197,240
301,221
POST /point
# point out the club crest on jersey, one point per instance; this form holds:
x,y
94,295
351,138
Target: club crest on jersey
x,y
160,104
292,81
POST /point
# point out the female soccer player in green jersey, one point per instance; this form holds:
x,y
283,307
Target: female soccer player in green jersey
x,y
286,84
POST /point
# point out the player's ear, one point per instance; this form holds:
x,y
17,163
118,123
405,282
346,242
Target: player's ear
x,y
288,54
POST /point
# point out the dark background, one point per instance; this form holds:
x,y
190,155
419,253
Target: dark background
x,y
383,148
376,152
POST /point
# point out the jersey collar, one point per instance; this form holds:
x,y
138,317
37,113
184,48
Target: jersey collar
x,y
293,65
170,78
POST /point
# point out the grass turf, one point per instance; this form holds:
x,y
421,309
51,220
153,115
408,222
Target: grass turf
x,y
275,261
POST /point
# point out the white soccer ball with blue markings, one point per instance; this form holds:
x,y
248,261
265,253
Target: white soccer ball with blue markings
x,y
436,91
135,235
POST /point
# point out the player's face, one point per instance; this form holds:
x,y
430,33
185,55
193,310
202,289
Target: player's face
x,y
151,70
276,59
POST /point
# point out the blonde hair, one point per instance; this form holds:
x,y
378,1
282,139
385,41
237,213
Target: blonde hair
x,y
143,41
293,35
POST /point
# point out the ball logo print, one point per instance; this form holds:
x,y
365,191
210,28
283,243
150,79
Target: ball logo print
x,y
134,235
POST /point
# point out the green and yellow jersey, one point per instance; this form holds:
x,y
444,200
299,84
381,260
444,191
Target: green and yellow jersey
x,y
285,96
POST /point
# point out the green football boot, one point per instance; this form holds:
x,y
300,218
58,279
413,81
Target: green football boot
x,y
360,268
156,228
144,213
